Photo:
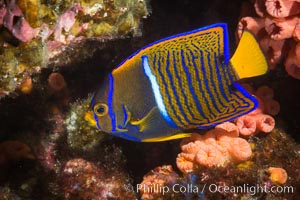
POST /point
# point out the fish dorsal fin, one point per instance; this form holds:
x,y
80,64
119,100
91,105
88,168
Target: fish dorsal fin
x,y
249,59
213,37
241,103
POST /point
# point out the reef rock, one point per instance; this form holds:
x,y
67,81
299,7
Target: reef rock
x,y
38,34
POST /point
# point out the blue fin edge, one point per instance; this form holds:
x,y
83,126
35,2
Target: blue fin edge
x,y
225,33
247,95
110,103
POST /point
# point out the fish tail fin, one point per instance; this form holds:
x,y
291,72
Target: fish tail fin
x,y
249,59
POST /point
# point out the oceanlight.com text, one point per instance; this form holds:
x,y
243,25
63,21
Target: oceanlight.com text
x,y
250,189
212,188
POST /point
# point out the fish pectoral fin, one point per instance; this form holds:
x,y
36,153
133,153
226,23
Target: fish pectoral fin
x,y
166,138
148,121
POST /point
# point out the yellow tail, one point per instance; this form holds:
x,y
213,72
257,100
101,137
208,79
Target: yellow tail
x,y
249,59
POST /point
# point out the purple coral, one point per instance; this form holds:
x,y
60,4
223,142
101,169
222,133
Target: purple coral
x,y
65,22
13,19
21,28
2,12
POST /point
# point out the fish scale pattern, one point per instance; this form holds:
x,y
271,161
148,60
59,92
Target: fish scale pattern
x,y
194,83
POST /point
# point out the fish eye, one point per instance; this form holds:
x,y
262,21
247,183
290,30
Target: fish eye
x,y
100,109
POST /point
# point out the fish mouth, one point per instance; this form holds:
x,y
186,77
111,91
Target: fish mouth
x,y
89,117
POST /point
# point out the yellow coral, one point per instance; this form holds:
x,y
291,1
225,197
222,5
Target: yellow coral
x,y
245,165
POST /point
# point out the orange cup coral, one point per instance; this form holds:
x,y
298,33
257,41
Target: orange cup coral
x,y
260,7
217,147
246,125
272,107
296,33
274,49
184,163
228,127
265,123
255,25
56,81
265,92
208,156
279,29
282,8
26,86
239,149
278,175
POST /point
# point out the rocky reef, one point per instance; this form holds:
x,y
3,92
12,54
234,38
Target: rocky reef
x,y
55,54
264,174
41,34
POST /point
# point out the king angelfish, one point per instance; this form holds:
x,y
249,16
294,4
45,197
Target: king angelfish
x,y
186,81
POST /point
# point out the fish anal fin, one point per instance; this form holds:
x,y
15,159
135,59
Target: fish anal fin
x,y
166,138
249,59
242,102
147,122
